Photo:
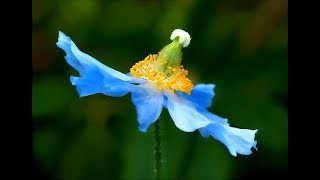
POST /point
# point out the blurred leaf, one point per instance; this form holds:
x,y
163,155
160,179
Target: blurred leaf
x,y
138,153
174,16
278,38
216,33
40,9
121,17
41,49
50,95
212,160
88,157
265,19
78,12
47,147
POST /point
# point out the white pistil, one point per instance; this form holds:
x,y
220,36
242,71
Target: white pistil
x,y
184,37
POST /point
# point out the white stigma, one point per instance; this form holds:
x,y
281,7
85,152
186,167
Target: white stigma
x,y
184,37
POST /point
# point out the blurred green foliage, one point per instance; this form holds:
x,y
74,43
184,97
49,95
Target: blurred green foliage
x,y
240,45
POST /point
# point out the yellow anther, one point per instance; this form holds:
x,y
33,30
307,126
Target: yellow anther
x,y
148,69
163,62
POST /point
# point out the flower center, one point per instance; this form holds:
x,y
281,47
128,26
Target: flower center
x,y
162,75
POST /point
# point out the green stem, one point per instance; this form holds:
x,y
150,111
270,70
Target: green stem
x,y
157,150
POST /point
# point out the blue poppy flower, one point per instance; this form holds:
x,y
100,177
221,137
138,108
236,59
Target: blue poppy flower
x,y
159,81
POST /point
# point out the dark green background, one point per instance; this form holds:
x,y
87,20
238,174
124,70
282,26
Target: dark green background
x,y
239,45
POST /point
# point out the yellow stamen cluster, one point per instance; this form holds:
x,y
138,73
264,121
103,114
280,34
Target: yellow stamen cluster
x,y
163,62
165,78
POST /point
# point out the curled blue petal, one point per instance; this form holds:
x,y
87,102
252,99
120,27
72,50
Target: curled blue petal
x,y
201,94
83,62
64,42
184,114
95,77
237,140
148,104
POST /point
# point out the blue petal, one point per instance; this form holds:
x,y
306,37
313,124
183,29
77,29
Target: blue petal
x,y
64,42
237,140
184,114
165,102
201,94
148,104
94,81
205,91
82,61
212,117
94,76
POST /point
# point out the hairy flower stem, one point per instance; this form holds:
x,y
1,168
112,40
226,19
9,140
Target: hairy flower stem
x,y
157,150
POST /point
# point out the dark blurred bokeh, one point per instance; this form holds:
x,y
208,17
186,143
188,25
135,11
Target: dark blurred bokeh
x,y
239,45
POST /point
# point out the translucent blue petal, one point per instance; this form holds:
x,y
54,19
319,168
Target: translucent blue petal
x,y
148,104
212,117
237,140
82,61
94,76
64,42
184,114
201,94
94,81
